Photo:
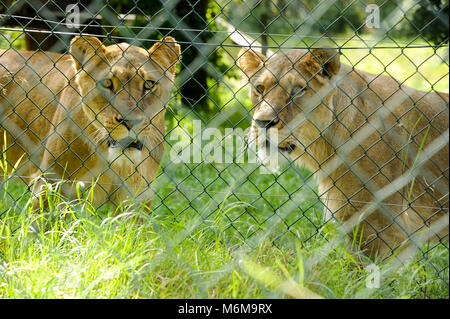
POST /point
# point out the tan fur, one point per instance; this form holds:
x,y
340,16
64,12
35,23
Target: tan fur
x,y
323,123
55,110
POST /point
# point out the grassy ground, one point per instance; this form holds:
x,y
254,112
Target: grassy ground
x,y
196,244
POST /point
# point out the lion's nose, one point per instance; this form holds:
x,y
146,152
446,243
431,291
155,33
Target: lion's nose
x,y
128,123
267,124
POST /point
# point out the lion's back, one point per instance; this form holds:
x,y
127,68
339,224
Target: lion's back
x,y
414,130
30,83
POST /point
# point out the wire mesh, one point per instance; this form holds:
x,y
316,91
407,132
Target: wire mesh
x,y
149,103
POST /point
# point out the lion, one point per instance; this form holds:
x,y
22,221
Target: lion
x,y
94,115
377,148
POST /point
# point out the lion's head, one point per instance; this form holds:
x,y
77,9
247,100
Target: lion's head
x,y
124,91
290,92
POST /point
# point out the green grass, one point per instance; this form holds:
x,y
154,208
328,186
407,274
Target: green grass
x,y
195,244
15,39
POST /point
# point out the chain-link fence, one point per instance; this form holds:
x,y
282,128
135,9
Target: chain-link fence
x,y
298,122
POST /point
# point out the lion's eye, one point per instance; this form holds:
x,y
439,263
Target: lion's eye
x,y
148,85
107,83
297,91
260,89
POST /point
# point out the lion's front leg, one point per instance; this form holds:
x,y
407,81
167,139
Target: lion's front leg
x,y
374,228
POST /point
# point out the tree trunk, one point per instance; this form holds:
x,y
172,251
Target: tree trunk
x,y
264,40
194,90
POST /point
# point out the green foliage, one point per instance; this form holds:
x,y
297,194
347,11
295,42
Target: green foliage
x,y
12,39
426,19
431,21
304,17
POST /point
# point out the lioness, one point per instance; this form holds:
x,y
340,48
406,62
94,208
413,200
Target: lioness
x,y
99,112
358,133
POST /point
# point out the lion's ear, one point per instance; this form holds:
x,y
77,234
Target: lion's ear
x,y
83,48
250,61
325,61
166,53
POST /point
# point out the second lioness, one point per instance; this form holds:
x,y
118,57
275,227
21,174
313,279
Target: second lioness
x,y
358,133
98,112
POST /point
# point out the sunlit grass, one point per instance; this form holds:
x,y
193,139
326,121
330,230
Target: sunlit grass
x,y
192,247
421,68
